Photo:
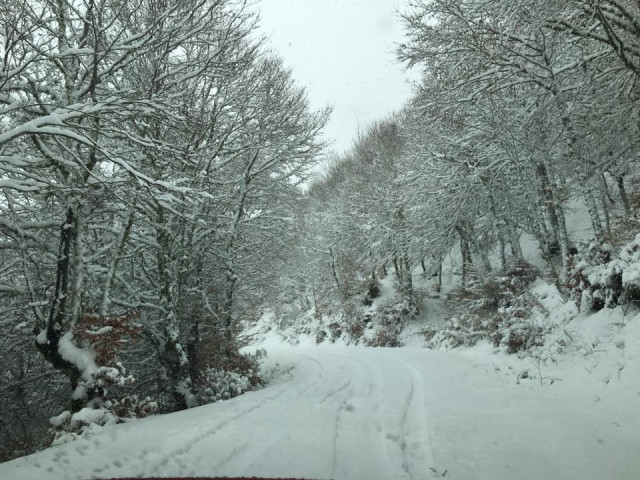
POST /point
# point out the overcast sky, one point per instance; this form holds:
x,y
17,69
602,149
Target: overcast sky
x,y
342,52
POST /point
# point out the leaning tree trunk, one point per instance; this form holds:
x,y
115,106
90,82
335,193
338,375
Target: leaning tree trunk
x,y
59,322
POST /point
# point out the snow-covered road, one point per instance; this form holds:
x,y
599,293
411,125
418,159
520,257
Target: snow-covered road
x,y
346,413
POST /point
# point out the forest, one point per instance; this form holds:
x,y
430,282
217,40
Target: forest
x,y
158,194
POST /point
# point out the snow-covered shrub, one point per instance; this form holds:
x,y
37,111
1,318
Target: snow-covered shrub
x,y
35,392
630,256
99,340
222,385
593,280
428,332
497,310
321,335
388,321
103,389
131,407
385,336
354,328
352,320
518,335
348,325
601,277
222,371
335,331
373,291
68,426
106,334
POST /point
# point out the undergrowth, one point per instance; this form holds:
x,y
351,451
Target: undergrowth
x,y
498,310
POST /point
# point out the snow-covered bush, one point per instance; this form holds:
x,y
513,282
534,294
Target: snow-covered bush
x,y
222,385
602,277
354,328
497,310
34,392
352,320
460,330
373,291
518,335
335,331
131,407
104,390
94,346
630,255
321,335
30,390
222,373
364,318
388,321
387,335
68,426
347,324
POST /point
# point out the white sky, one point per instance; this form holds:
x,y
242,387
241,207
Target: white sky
x,y
343,53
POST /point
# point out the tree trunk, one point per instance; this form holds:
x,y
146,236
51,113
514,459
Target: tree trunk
x,y
115,259
467,262
48,340
408,280
592,208
193,351
623,195
334,271
172,355
176,363
564,234
396,268
605,212
549,202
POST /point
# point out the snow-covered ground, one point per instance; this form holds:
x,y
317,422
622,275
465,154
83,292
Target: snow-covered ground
x,y
336,412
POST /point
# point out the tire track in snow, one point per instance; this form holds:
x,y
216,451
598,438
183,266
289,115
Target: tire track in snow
x,y
396,407
249,452
333,393
381,389
360,443
298,424
347,407
404,428
307,431
335,440
176,454
416,441
259,403
365,383
368,380
292,426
